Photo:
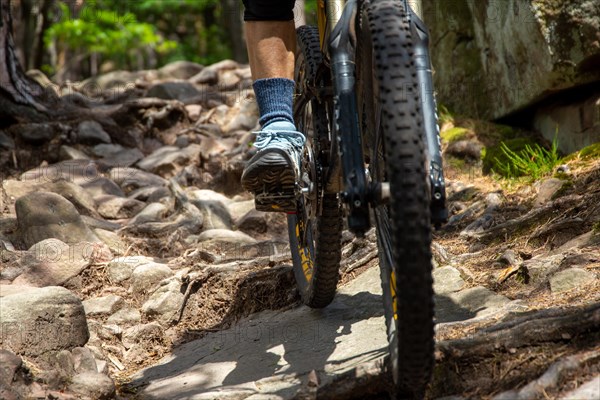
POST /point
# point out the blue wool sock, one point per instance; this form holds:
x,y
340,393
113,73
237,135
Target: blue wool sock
x,y
275,97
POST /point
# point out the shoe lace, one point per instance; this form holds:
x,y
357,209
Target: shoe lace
x,y
266,138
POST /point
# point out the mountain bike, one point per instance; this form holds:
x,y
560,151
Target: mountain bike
x,y
364,99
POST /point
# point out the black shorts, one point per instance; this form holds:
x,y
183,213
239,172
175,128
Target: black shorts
x,y
269,10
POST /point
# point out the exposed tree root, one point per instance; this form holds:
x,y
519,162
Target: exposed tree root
x,y
540,326
533,217
551,378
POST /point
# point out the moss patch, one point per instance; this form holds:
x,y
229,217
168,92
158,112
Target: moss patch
x,y
591,151
454,134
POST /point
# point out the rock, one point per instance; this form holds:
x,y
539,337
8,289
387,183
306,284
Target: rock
x,y
540,267
102,305
180,70
207,76
447,280
133,178
93,385
194,111
122,159
228,80
253,222
102,367
182,141
82,201
174,90
91,133
548,190
106,150
493,201
47,215
468,303
71,153
588,391
113,207
224,65
115,80
164,303
151,213
102,186
6,142
52,262
84,360
509,257
570,279
241,122
225,235
590,238
125,316
469,149
33,133
215,212
210,147
9,365
238,209
166,160
208,196
41,321
468,37
576,123
145,277
121,268
79,197
113,241
64,364
151,194
76,171
133,335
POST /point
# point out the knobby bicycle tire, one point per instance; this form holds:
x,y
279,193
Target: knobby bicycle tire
x,y
316,258
393,130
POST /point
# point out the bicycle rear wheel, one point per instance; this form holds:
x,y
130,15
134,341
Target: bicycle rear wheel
x,y
315,231
393,131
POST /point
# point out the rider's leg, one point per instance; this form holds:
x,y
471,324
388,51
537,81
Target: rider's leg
x,y
271,47
271,38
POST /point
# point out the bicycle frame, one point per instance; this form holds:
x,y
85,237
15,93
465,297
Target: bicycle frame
x,y
336,27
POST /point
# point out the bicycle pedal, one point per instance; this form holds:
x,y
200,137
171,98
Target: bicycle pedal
x,y
284,201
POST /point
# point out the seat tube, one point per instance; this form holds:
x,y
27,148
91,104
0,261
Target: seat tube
x,y
334,10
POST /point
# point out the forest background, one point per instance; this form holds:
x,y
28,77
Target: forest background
x,y
75,39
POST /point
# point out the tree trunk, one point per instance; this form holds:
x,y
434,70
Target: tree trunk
x,y
19,95
42,24
234,24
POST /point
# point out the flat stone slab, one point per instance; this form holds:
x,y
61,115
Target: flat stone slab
x,y
447,280
268,354
466,304
570,279
263,353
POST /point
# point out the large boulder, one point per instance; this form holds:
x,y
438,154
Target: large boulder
x,y
492,58
39,322
48,215
52,262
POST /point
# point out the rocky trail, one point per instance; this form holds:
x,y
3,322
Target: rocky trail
x,y
133,266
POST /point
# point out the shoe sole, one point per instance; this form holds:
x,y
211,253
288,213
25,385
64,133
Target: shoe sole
x,y
272,181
